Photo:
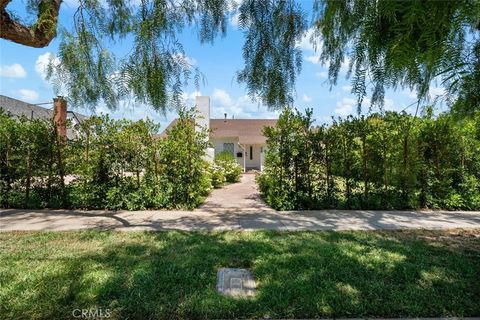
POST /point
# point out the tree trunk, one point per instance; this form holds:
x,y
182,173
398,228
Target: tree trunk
x,y
61,168
40,33
365,168
328,170
29,177
8,186
405,171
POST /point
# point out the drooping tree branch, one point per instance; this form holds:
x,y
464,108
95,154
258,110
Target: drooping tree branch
x,y
37,35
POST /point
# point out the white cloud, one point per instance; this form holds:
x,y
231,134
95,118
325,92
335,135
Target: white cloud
x,y
222,96
42,63
347,88
306,44
133,111
13,71
389,105
436,91
190,60
234,13
345,65
28,95
234,19
315,59
189,98
410,93
239,108
182,58
306,98
345,106
322,74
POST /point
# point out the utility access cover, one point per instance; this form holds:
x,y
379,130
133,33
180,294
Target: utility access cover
x,y
235,282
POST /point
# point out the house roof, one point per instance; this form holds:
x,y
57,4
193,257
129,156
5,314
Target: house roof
x,y
18,108
248,131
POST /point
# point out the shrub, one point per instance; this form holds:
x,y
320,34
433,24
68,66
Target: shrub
x,y
231,169
217,175
116,164
383,161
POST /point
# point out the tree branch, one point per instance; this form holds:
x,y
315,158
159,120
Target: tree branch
x,y
38,35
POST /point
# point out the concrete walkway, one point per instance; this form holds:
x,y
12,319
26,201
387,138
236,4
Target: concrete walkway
x,y
235,207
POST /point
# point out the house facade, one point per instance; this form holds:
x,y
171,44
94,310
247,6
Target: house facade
x,y
243,138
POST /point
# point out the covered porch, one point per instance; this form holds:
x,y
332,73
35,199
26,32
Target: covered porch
x,y
253,148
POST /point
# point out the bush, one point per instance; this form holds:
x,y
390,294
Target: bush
x,y
383,161
231,169
116,164
217,175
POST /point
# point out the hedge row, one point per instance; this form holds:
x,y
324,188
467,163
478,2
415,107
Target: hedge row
x,y
114,164
382,161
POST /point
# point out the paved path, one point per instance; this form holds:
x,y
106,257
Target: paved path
x,y
235,207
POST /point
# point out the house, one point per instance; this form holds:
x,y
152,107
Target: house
x,y
243,138
58,112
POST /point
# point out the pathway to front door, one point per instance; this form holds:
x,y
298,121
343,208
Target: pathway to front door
x,y
239,197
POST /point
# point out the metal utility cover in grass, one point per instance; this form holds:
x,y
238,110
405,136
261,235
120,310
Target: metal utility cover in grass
x,y
235,282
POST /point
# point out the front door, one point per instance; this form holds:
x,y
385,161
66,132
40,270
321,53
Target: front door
x,y
252,157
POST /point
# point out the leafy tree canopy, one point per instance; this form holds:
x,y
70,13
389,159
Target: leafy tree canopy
x,y
389,44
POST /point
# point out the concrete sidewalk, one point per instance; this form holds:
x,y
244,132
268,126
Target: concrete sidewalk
x,y
204,220
235,207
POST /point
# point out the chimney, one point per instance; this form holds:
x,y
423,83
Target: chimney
x,y
203,108
60,116
225,117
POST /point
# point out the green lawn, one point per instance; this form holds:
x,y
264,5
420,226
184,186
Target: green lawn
x,y
169,275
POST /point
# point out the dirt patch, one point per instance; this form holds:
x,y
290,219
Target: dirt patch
x,y
454,239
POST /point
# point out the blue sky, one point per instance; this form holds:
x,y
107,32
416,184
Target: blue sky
x,y
22,77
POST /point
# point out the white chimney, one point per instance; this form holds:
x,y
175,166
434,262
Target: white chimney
x,y
203,108
203,120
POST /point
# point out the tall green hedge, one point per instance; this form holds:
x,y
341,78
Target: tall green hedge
x,y
114,164
383,161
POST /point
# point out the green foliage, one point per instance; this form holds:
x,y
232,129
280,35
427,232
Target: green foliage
x,y
389,161
114,164
181,158
272,56
217,174
32,165
231,169
391,44
157,67
224,156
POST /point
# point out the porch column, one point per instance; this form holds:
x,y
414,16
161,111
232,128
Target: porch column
x,y
244,158
261,158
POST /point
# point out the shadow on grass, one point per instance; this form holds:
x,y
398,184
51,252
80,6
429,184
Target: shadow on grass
x,y
148,275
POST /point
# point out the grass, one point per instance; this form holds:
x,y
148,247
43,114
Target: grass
x,y
141,275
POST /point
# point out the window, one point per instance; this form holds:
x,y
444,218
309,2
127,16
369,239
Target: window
x,y
228,147
251,153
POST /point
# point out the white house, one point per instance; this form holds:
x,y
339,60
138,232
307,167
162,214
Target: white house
x,y
243,138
